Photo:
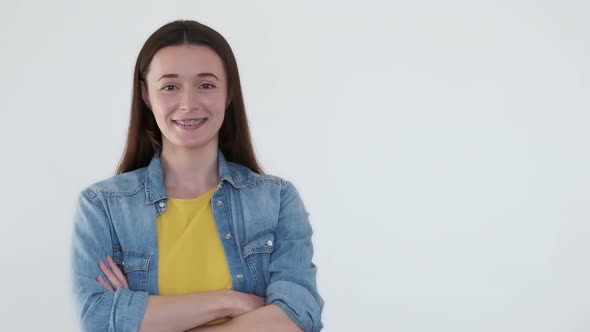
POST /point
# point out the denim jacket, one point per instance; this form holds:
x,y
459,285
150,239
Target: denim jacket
x,y
261,221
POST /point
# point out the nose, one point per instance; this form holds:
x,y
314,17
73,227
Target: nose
x,y
189,100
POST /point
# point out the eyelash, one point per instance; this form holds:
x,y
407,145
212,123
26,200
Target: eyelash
x,y
209,84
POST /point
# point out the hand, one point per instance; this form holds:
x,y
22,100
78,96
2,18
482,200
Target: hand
x,y
113,273
244,302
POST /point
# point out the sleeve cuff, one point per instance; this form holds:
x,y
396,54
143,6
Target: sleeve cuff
x,y
297,303
128,309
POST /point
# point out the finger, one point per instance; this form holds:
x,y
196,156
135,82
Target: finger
x,y
104,284
117,272
109,274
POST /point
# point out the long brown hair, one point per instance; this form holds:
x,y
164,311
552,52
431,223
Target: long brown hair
x,y
144,137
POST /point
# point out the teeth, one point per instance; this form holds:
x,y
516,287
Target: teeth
x,y
189,122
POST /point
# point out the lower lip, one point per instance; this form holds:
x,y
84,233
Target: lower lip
x,y
190,127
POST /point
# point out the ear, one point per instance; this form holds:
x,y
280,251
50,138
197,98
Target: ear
x,y
144,95
228,97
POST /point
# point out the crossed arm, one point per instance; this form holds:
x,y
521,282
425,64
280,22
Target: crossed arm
x,y
189,312
296,305
266,318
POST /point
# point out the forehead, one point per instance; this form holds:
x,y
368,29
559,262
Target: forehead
x,y
186,60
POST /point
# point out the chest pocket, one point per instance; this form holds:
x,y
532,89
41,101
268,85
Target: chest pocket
x,y
256,252
135,266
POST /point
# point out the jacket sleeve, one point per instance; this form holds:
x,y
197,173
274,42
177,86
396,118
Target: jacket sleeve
x,y
97,308
292,284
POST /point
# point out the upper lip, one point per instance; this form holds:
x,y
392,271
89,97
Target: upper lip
x,y
188,119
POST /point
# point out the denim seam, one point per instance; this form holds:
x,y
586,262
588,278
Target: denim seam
x,y
125,193
254,271
258,235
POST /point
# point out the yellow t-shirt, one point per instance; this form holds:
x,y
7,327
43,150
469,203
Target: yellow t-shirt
x,y
191,258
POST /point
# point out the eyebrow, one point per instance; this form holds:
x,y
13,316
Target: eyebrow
x,y
198,75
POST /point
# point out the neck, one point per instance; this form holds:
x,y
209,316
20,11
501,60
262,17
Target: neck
x,y
189,172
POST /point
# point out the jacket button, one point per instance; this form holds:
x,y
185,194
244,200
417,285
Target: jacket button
x,y
219,203
239,276
161,204
228,236
269,243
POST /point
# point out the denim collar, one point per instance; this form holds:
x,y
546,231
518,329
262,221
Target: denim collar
x,y
154,177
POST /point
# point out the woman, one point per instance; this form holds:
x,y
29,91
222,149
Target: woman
x,y
190,234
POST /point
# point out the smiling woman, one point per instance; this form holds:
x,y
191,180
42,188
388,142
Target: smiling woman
x,y
186,90
190,234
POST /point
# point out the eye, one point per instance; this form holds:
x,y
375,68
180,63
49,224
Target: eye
x,y
168,86
207,86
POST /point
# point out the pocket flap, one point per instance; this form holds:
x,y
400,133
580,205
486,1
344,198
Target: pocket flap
x,y
261,243
131,260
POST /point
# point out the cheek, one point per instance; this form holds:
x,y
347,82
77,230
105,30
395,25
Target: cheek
x,y
215,103
163,106
165,102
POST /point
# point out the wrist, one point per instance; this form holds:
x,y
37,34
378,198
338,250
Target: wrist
x,y
227,303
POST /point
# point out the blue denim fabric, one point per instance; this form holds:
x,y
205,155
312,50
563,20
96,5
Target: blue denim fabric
x,y
261,220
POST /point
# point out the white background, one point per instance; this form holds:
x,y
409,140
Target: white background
x,y
441,147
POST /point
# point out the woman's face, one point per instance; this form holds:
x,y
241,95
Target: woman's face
x,y
187,83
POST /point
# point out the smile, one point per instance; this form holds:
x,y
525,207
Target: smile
x,y
189,122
